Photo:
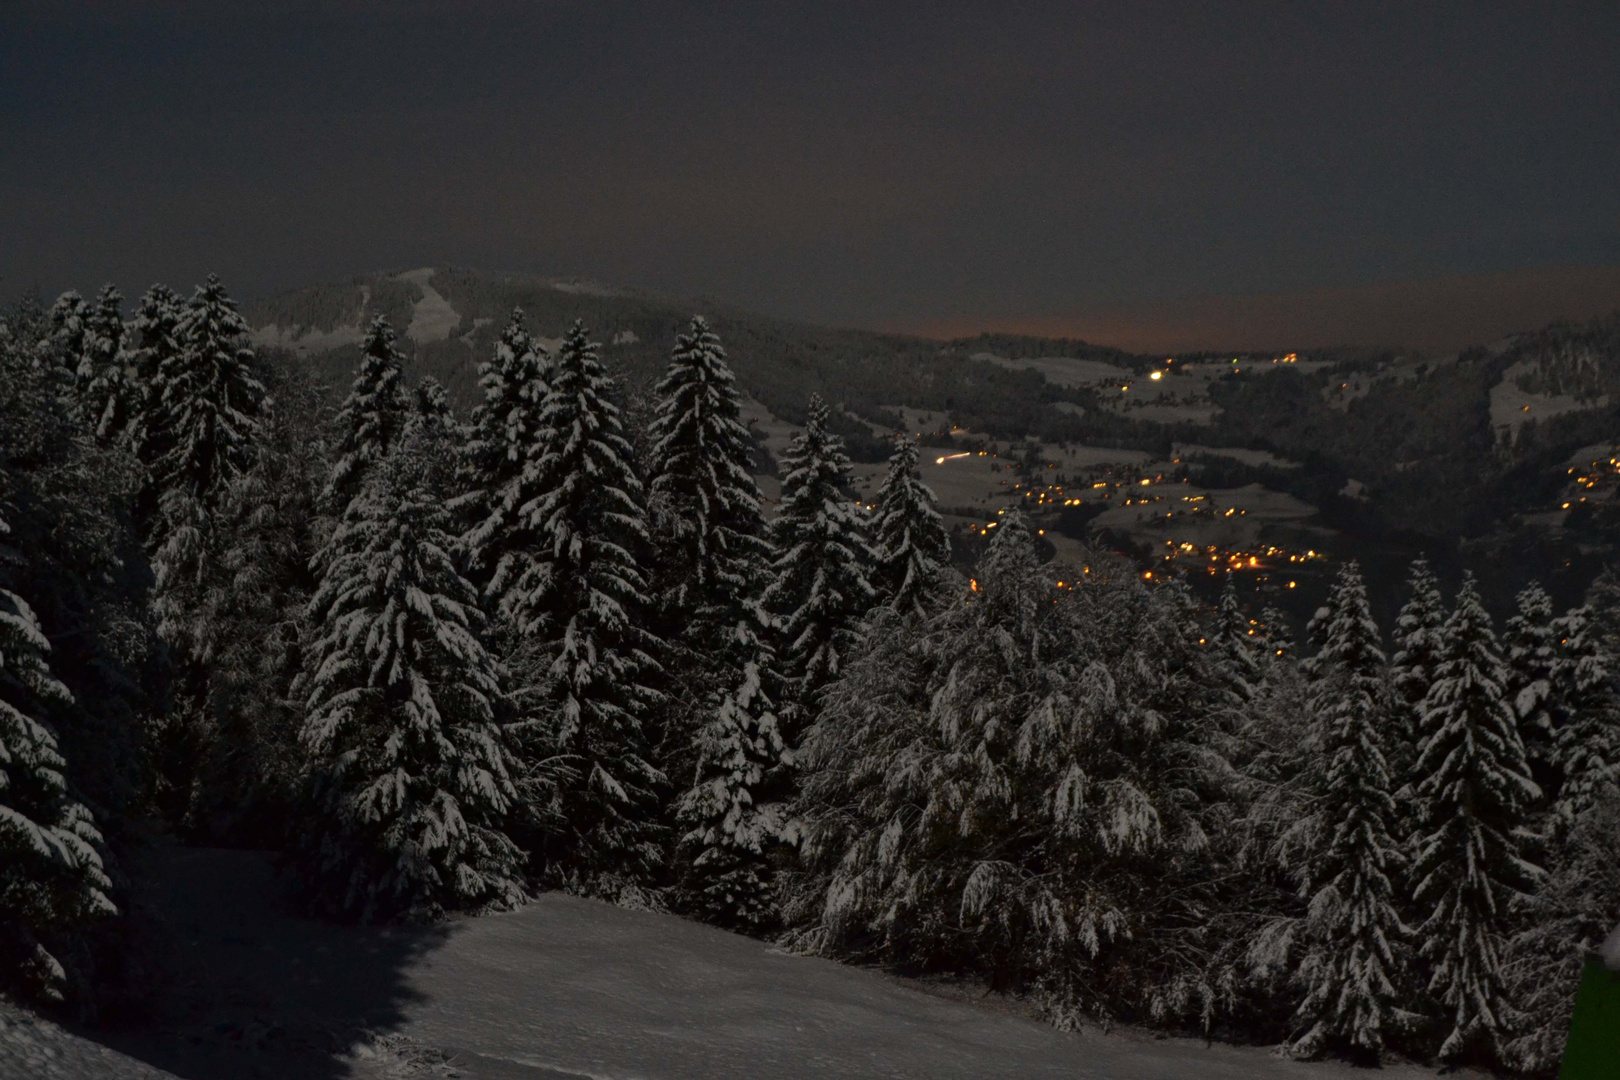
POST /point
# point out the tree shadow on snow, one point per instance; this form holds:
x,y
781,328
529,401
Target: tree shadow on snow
x,y
246,986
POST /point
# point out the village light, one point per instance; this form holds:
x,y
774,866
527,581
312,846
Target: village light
x,y
1156,376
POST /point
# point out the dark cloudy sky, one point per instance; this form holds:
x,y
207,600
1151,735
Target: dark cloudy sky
x,y
942,167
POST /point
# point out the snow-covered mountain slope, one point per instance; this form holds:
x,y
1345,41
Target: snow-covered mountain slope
x,y
576,988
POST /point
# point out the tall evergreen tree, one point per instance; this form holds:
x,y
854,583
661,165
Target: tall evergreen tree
x,y
1583,752
207,421
1530,647
909,535
1419,640
104,385
212,401
51,878
431,415
155,344
69,318
407,771
822,573
501,439
1235,646
735,814
575,594
1351,935
708,516
373,415
1009,787
1476,792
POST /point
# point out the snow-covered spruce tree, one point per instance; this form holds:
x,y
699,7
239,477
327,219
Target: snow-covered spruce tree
x,y
821,580
372,417
68,319
1276,636
909,535
1419,639
708,520
155,342
1530,648
1235,646
51,879
1561,924
1346,859
212,401
208,421
735,814
407,774
1585,746
1475,795
574,593
1008,788
431,415
250,606
104,385
71,554
1568,916
500,439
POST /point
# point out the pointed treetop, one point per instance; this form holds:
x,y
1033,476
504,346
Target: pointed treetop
x,y
373,415
912,545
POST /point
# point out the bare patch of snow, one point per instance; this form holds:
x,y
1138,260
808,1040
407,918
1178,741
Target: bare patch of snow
x,y
584,288
625,337
432,317
1062,370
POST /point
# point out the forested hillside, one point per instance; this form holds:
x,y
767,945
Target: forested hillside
x,y
492,593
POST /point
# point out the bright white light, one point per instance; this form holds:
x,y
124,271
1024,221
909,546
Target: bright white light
x,y
1156,376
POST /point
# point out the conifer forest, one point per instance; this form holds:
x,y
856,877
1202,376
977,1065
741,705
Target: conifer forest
x,y
444,661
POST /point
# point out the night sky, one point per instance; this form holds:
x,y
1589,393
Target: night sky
x,y
1158,175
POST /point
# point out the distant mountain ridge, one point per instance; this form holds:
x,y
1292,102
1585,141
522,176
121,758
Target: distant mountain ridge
x,y
1466,457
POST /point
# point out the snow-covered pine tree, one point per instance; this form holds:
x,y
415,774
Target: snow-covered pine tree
x,y
735,814
51,878
431,415
500,440
821,587
1530,647
104,384
1007,787
249,608
575,593
1419,638
1275,634
1235,646
1584,752
406,768
1475,794
372,417
909,535
68,318
155,343
1561,924
207,420
709,523
212,401
1349,863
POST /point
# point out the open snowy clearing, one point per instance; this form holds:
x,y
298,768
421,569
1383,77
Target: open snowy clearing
x,y
574,988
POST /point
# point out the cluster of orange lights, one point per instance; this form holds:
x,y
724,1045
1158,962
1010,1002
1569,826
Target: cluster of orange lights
x,y
1215,560
1599,473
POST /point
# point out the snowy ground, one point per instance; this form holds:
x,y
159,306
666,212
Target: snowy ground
x,y
569,988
